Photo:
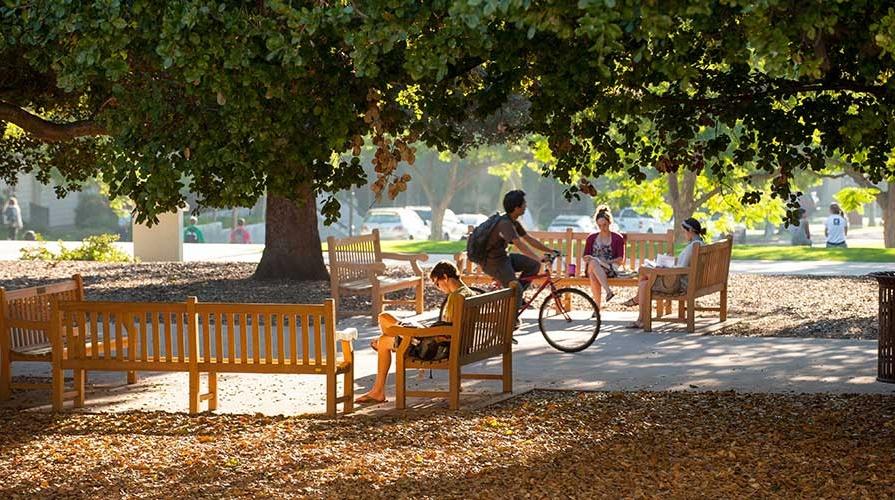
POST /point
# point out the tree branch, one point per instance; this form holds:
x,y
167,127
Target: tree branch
x,y
705,197
48,131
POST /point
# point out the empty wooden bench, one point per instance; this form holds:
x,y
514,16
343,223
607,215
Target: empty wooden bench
x,y
356,267
482,330
707,273
25,326
638,247
198,338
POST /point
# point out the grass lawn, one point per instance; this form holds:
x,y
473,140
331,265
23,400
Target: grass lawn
x,y
740,252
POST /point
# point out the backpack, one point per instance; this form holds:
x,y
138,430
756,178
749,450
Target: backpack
x,y
477,244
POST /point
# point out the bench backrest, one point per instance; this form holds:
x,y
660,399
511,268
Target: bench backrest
x,y
173,336
638,247
710,267
485,323
25,312
363,249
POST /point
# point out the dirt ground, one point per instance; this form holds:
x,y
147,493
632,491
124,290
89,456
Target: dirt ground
x,y
770,306
542,444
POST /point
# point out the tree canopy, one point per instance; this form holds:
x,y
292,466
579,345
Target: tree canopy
x,y
233,98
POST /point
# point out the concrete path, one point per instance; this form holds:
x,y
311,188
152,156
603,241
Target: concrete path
x,y
621,359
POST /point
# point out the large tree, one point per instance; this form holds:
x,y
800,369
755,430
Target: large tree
x,y
235,98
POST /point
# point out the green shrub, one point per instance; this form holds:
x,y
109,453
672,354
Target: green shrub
x,y
98,248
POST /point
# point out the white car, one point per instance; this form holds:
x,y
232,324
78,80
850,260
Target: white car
x,y
630,220
451,227
395,224
470,220
578,223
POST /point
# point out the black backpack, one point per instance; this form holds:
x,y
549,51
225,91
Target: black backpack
x,y
477,244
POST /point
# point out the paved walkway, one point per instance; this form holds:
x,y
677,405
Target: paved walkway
x,y
621,359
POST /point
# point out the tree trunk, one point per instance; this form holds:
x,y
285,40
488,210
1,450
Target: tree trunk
x,y
887,201
291,241
682,198
437,231
855,219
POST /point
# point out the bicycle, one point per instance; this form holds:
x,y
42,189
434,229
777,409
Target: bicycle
x,y
569,319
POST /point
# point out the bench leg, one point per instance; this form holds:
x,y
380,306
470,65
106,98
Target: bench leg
x,y
400,383
58,384
132,377
5,375
454,387
213,390
508,371
723,312
194,392
331,394
80,377
691,315
348,390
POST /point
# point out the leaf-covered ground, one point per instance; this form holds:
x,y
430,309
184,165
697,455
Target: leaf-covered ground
x,y
784,306
541,444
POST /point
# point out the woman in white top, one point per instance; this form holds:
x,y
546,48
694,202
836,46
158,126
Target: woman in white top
x,y
694,233
12,217
836,228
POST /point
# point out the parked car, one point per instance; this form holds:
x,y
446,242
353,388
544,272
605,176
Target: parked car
x,y
578,223
631,220
395,224
451,226
470,220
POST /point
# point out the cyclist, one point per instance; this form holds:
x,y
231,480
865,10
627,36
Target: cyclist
x,y
503,266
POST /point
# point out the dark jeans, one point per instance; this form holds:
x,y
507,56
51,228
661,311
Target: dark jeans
x,y
504,271
837,245
11,232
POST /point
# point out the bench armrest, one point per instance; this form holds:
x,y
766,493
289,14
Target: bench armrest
x,y
405,331
665,271
413,258
375,267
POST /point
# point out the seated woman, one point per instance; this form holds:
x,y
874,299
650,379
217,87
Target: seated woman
x,y
604,252
694,233
446,278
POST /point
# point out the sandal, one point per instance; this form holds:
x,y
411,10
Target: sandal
x,y
374,344
636,326
630,302
367,399
609,296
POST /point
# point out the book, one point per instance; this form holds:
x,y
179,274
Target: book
x,y
662,260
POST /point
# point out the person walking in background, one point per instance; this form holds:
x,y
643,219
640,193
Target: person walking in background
x,y
836,228
801,235
192,234
240,234
12,217
604,253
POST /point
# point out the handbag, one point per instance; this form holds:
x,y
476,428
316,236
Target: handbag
x,y
662,285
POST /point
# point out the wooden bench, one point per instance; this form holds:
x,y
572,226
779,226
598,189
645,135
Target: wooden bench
x,y
25,326
638,247
197,338
356,267
707,274
483,329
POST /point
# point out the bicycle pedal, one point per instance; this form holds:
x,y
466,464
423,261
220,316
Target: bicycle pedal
x,y
515,341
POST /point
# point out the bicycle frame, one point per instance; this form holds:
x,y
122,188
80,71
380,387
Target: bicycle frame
x,y
548,282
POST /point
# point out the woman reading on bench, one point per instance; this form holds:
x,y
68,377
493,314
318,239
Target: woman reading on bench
x,y
446,278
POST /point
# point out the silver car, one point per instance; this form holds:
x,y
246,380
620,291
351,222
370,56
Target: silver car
x,y
395,224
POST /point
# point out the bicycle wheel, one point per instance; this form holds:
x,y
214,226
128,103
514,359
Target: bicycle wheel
x,y
569,329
